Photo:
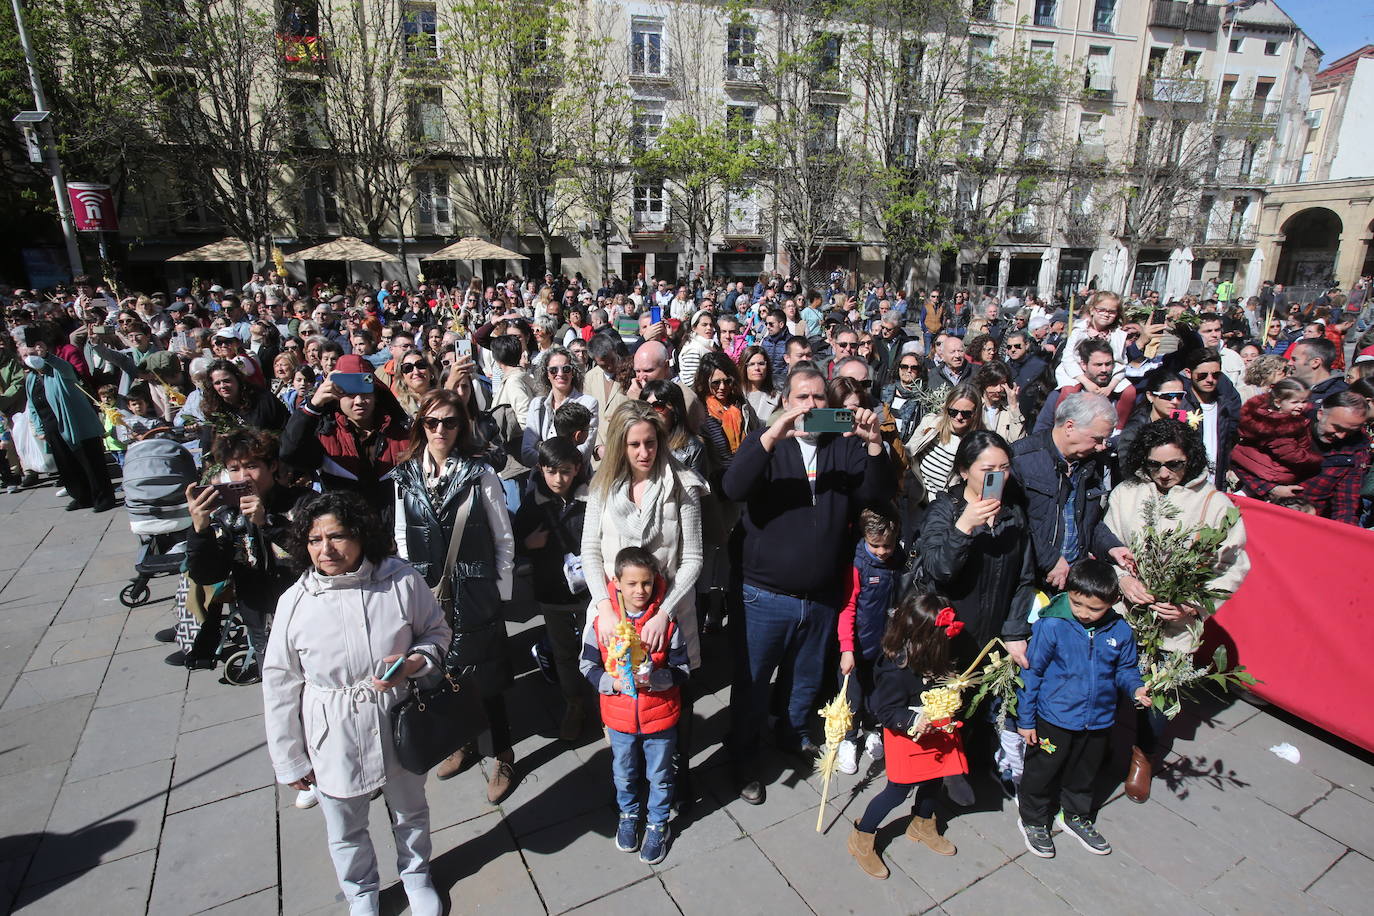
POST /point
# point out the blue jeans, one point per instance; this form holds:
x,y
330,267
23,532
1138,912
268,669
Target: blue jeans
x,y
637,759
779,632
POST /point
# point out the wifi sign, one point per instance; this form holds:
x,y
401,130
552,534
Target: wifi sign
x,y
93,207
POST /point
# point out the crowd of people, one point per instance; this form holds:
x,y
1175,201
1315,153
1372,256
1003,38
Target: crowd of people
x,y
646,454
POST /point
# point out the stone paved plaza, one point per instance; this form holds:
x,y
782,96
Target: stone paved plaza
x,y
128,786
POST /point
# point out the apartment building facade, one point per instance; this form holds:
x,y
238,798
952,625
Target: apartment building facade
x,y
1247,73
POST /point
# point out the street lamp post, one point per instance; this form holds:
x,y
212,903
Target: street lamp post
x,y
59,184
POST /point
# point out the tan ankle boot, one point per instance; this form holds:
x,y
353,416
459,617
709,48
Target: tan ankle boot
x,y
456,762
861,848
1138,779
502,778
925,830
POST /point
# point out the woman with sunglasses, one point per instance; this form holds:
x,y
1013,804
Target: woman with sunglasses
x,y
931,449
440,474
557,379
1167,463
665,397
414,380
1164,394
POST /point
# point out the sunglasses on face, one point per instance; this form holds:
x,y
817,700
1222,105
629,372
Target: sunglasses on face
x,y
907,367
410,368
957,414
560,370
721,383
1169,395
660,406
448,423
1014,346
1175,466
845,345
1204,376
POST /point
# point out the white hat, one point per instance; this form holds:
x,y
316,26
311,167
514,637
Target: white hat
x,y
226,334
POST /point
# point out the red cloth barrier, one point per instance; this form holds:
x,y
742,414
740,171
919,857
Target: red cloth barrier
x,y
1302,620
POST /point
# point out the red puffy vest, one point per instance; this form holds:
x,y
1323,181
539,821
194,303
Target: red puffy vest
x,y
647,712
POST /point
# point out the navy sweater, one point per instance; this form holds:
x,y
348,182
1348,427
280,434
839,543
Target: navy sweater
x,y
791,546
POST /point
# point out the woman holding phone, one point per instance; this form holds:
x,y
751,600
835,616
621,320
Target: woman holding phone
x,y
353,613
975,549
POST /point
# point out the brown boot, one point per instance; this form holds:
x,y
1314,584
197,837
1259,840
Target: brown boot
x,y
861,848
502,777
456,762
925,830
570,729
1138,779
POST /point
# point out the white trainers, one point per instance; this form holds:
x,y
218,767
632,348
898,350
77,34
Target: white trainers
x,y
873,745
307,798
847,760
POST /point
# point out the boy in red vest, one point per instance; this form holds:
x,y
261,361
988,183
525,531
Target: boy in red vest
x,y
641,700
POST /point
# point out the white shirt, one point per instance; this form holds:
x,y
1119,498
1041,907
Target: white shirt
x,y
808,454
1209,431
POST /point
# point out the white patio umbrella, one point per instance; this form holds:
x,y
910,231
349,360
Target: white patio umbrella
x,y
1254,273
1179,274
1049,273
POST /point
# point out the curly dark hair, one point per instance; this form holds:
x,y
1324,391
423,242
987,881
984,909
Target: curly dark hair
x,y
1165,432
353,513
974,348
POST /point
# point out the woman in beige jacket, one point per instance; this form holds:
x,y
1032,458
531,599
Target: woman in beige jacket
x,y
352,614
1168,463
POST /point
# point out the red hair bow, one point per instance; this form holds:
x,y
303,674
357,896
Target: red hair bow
x,y
946,619
954,629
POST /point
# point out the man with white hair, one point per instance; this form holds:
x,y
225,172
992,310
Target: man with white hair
x,y
1061,472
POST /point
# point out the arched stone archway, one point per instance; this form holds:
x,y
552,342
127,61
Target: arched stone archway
x,y
1311,240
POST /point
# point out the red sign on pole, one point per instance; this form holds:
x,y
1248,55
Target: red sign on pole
x,y
93,207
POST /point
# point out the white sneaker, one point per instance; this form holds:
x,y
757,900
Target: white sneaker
x,y
873,745
847,760
307,798
61,492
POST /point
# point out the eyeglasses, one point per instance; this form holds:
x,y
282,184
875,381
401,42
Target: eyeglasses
x,y
660,406
1204,376
409,368
908,367
1169,395
1016,346
1175,466
560,370
957,414
721,382
448,423
845,344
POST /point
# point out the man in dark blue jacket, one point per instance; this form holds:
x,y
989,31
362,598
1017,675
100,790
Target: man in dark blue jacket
x,y
1062,474
801,494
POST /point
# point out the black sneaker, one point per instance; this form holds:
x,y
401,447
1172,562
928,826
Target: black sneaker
x,y
1037,840
1086,832
167,635
544,661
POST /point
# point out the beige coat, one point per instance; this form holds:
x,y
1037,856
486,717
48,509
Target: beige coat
x,y
329,638
922,441
1199,503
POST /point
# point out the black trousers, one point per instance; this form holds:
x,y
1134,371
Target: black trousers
x,y
1062,778
497,738
82,470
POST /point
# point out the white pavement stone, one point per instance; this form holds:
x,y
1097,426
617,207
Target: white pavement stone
x,y
113,889
216,853
119,737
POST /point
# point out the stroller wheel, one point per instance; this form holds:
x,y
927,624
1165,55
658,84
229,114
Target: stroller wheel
x,y
135,593
241,669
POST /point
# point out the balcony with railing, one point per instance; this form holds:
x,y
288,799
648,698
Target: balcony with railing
x,y
742,71
1177,14
1172,89
1251,112
1099,85
649,222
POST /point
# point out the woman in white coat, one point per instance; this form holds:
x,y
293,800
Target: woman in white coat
x,y
557,379
642,497
354,611
1168,463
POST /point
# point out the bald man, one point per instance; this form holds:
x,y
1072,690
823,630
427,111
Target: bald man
x,y
651,363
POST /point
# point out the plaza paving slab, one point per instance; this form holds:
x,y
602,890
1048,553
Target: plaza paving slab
x,y
128,786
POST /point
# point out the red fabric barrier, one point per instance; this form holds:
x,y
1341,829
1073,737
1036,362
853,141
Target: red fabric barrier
x,y
1302,620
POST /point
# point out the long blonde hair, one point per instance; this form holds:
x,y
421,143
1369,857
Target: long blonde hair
x,y
615,461
964,391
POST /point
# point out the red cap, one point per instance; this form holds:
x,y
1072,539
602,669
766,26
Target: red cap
x,y
352,363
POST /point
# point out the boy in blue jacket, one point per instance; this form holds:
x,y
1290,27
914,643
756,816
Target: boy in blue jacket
x,y
1081,654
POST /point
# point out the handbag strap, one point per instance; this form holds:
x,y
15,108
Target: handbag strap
x,y
460,522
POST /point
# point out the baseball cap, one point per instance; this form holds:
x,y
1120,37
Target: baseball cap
x,y
226,334
182,292
352,362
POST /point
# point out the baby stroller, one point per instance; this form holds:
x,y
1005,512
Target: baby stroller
x,y
156,475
